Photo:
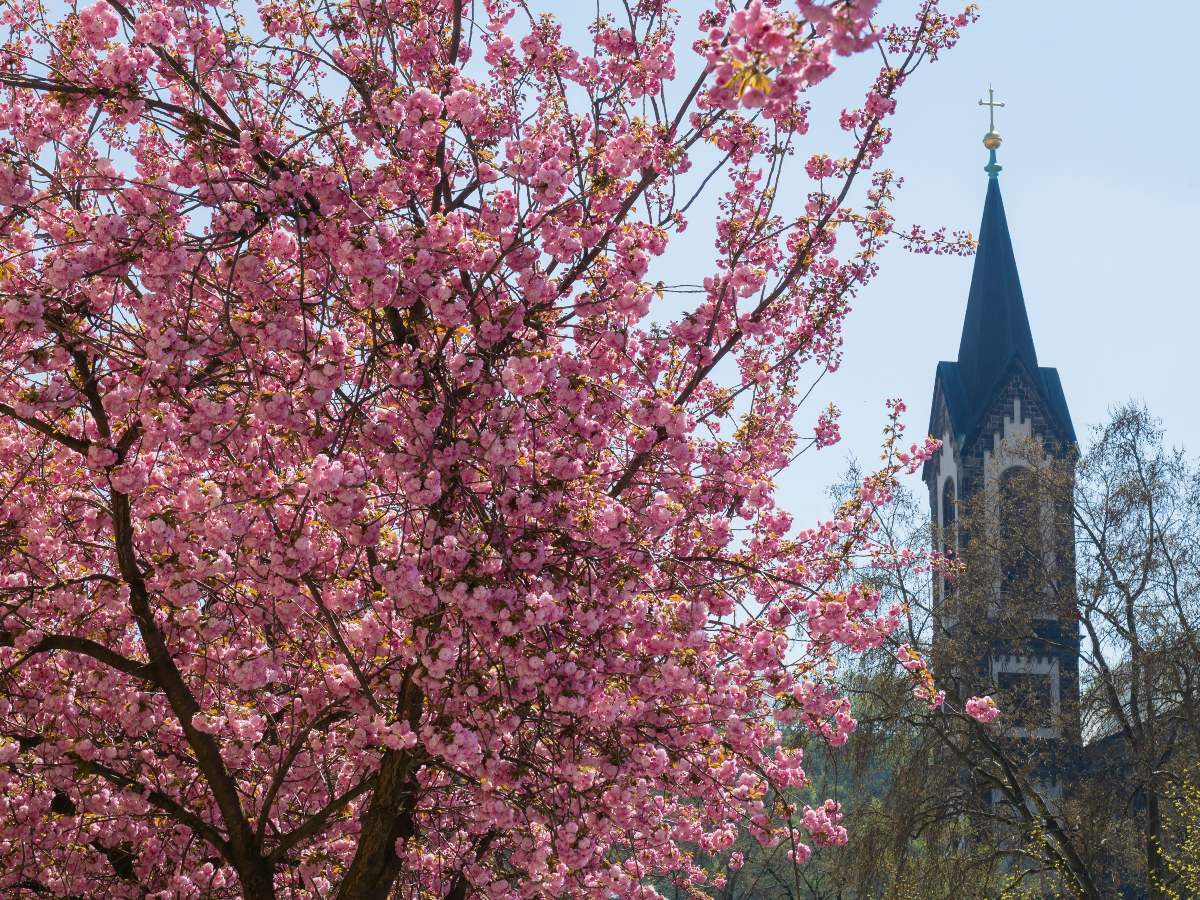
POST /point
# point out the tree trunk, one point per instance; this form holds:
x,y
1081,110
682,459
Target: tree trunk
x,y
258,880
388,818
1156,869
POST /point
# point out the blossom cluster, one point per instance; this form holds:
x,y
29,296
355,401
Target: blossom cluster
x,y
982,709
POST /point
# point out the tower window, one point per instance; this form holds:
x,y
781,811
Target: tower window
x,y
1020,531
949,531
1031,697
1030,690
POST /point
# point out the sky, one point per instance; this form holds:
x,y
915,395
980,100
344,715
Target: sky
x,y
1100,186
1101,191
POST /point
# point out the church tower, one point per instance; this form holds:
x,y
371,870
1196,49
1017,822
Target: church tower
x,y
1002,418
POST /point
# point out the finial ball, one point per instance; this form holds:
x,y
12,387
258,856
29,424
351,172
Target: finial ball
x,y
991,140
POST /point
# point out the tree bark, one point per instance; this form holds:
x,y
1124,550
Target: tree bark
x,y
387,819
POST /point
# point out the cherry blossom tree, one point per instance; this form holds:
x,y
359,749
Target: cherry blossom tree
x,y
375,523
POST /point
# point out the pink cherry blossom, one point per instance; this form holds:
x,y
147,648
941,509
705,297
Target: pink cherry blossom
x,y
828,432
982,709
98,23
380,516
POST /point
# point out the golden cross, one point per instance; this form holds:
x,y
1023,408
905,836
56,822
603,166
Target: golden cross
x,y
991,103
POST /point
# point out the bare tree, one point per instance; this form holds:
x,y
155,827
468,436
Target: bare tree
x,y
1137,514
1094,561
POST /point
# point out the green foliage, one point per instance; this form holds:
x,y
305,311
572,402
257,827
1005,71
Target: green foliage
x,y
1183,859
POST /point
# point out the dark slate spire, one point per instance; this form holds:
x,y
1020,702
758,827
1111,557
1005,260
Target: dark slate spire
x,y
996,328
996,344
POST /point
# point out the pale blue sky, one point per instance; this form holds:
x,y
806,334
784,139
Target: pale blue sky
x,y
1100,186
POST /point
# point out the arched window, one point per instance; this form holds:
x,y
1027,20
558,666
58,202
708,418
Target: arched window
x,y
949,531
1020,531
